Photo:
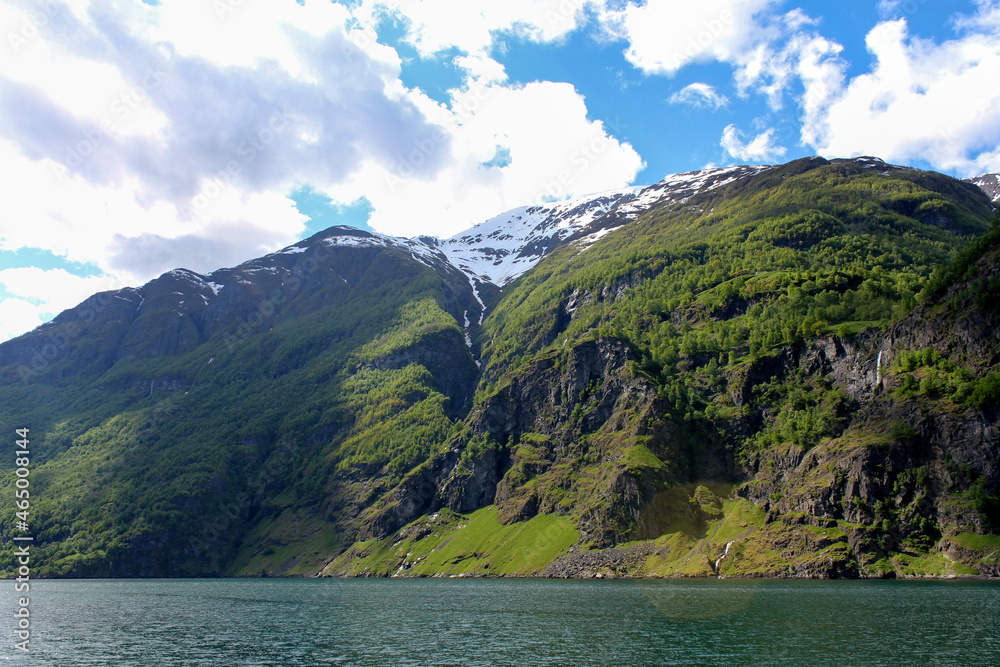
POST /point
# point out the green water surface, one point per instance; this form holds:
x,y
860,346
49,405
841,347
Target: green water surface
x,y
235,622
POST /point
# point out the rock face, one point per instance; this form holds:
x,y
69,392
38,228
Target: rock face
x,y
913,478
561,435
553,402
990,184
894,475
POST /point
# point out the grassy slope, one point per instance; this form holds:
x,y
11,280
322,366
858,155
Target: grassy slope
x,y
450,544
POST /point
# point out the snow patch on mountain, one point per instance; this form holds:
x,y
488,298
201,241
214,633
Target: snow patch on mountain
x,y
505,246
990,184
348,237
500,249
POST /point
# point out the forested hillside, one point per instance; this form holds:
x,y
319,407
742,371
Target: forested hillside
x,y
792,373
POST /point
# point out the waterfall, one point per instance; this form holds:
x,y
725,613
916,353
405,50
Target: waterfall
x,y
724,554
878,369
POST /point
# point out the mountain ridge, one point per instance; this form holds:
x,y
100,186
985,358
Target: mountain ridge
x,y
582,220
709,372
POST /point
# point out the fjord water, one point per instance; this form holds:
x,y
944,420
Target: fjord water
x,y
250,622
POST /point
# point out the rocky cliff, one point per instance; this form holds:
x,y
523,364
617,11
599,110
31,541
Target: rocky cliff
x,y
848,454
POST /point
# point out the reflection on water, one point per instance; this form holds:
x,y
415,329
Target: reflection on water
x,y
251,622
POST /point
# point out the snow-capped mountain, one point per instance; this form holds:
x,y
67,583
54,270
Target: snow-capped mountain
x,y
502,248
990,184
494,252
505,246
348,237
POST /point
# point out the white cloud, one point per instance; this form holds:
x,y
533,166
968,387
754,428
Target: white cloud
x,y
482,69
987,17
770,69
759,149
37,294
889,8
551,148
471,25
55,289
18,316
302,100
921,101
700,96
819,67
105,225
797,19
665,36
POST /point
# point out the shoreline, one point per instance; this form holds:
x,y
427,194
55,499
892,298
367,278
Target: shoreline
x,y
596,577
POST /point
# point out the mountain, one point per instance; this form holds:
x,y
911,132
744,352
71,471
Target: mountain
x,y
990,184
504,247
760,371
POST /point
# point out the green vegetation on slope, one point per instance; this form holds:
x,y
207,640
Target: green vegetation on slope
x,y
167,443
450,544
742,270
261,439
704,290
720,299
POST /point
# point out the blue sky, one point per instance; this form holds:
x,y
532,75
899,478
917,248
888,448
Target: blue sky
x,y
140,137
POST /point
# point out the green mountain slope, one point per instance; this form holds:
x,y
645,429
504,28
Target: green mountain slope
x,y
310,382
797,370
720,341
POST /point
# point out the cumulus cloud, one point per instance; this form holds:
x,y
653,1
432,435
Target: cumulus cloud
x,y
986,17
802,56
240,101
761,148
664,37
921,100
18,316
700,96
226,130
550,150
